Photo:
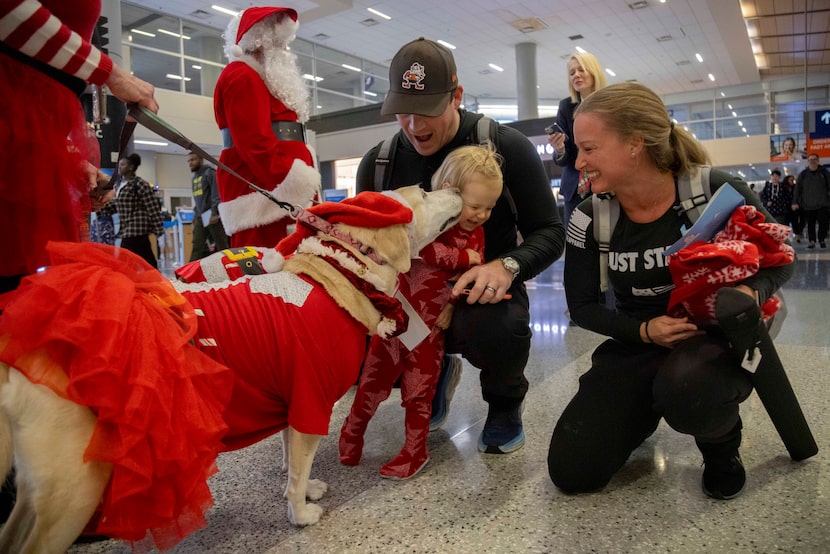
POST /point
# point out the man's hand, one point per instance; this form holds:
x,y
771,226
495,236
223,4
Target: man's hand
x,y
491,280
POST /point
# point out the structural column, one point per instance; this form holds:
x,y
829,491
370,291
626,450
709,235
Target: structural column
x,y
526,92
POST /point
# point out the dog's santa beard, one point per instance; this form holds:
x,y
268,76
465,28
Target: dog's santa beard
x,y
283,79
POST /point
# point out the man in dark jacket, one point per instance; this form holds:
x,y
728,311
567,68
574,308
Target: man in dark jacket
x,y
493,334
206,223
812,195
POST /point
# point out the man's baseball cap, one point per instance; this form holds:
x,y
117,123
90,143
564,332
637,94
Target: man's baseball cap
x,y
422,79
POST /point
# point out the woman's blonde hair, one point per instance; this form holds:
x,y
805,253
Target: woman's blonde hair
x,y
590,63
631,109
463,162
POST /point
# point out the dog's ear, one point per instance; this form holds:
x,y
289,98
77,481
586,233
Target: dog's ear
x,y
392,243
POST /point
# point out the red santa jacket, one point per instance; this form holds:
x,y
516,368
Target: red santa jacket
x,y
244,105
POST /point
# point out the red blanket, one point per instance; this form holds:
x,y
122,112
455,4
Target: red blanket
x,y
746,244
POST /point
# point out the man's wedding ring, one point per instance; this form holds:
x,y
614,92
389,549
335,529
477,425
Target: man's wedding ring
x,y
491,289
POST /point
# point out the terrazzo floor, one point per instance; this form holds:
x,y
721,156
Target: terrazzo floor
x,y
464,501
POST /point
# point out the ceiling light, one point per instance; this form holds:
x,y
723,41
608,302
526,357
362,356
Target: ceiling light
x,y
723,94
347,66
494,66
312,77
379,14
224,10
729,106
611,73
194,66
446,44
369,93
172,34
177,77
140,32
699,57
151,142
581,50
711,77
734,114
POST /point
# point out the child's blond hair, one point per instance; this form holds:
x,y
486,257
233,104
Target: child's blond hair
x,y
463,162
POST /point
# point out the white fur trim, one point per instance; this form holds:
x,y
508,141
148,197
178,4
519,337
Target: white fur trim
x,y
236,52
313,245
386,327
272,261
255,210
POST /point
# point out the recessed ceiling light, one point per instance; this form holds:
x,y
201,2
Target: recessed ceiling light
x,y
446,44
377,13
172,34
611,73
225,10
699,57
151,142
497,68
711,77
140,32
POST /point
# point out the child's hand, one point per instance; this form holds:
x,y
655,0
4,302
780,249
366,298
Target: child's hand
x,y
445,317
475,257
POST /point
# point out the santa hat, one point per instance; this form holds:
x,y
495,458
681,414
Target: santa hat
x,y
368,209
283,31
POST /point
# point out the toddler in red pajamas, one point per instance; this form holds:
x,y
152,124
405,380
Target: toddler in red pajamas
x,y
475,171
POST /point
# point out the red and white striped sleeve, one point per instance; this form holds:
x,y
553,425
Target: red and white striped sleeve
x,y
27,26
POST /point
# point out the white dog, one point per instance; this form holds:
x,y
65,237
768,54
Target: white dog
x,y
342,271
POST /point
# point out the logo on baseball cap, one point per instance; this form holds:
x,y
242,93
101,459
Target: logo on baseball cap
x,y
422,79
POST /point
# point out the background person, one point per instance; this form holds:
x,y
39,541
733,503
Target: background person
x,y
473,170
812,197
205,199
138,210
492,335
777,198
585,75
652,366
796,218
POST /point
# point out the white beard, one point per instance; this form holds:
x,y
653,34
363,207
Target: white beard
x,y
284,81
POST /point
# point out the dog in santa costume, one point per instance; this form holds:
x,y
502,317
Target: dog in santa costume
x,y
178,372
260,104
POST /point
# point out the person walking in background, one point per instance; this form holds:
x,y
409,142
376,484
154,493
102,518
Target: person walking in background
x,y
653,366
207,226
795,217
138,210
585,76
777,198
474,170
492,335
812,197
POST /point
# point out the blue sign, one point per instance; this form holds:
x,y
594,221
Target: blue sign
x,y
822,125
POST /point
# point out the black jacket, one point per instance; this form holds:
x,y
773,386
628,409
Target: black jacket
x,y
536,213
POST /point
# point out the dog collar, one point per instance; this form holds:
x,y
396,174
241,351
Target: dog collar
x,y
319,224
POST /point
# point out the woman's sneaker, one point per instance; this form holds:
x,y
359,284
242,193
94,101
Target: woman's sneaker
x,y
724,479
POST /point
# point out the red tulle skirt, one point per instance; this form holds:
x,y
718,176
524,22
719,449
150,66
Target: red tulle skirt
x,y
116,337
46,143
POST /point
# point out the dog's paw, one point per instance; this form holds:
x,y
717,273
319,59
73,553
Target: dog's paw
x,y
315,489
304,514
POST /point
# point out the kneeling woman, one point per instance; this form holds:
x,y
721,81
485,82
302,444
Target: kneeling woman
x,y
654,366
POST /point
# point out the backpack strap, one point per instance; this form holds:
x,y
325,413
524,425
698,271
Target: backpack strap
x,y
487,132
606,213
383,161
694,191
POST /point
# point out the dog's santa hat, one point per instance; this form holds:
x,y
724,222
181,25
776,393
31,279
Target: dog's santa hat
x,y
238,28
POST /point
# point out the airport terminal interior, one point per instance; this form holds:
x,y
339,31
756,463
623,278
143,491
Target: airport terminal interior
x,y
725,76
464,501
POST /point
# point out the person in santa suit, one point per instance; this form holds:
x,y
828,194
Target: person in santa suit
x,y
260,104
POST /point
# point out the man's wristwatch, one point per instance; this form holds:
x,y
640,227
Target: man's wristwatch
x,y
511,265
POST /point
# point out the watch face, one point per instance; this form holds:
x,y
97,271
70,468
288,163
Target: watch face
x,y
511,265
